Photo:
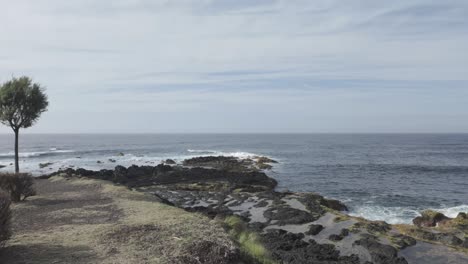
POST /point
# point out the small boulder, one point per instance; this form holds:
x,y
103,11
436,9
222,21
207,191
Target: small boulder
x,y
334,204
314,230
429,218
265,160
338,237
288,216
170,162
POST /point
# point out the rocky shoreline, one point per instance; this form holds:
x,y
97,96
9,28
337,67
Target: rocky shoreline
x,y
293,227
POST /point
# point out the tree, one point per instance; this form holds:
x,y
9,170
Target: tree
x,y
21,104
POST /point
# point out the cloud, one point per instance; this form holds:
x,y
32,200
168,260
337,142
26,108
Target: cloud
x,y
173,56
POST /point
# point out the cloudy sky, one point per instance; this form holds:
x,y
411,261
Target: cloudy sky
x,y
242,65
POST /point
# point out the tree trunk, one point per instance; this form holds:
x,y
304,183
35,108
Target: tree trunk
x,y
16,151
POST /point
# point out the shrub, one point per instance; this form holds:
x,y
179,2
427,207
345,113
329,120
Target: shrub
x,y
20,186
5,216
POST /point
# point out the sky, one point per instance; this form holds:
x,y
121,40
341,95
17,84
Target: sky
x,y
241,66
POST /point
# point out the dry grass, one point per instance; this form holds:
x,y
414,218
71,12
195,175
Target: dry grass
x,y
90,221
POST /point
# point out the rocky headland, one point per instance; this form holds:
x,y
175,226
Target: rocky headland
x,y
290,227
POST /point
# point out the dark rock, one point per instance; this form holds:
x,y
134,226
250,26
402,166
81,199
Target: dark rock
x,y
465,243
98,162
261,204
373,227
344,233
43,165
314,230
429,218
170,162
314,201
120,174
265,160
380,253
288,216
264,166
84,172
220,162
402,241
2,166
334,204
335,237
291,248
448,239
134,172
462,215
112,160
121,154
257,227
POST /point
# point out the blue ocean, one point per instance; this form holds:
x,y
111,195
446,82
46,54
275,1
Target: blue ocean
x,y
388,177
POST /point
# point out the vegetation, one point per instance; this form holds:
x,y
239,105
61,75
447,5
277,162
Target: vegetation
x,y
249,242
21,104
19,185
91,221
5,216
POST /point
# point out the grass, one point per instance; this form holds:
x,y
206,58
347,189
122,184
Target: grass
x,y
92,221
249,242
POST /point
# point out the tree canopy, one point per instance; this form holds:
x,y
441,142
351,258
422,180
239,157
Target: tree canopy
x,y
21,103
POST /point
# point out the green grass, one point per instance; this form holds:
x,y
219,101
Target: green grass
x,y
249,242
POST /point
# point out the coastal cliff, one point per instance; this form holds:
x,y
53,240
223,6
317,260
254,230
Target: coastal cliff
x,y
268,226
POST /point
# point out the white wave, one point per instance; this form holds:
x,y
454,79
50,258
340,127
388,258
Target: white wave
x,y
201,151
35,154
391,215
453,211
237,154
400,215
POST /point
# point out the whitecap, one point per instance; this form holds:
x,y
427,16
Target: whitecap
x,y
453,211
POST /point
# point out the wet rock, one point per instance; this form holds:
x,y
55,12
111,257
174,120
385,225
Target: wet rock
x,y
314,229
261,204
120,154
120,174
458,223
285,215
314,202
98,162
170,162
2,166
334,204
373,227
402,241
43,165
448,239
221,163
465,243
462,215
291,248
338,237
265,160
380,253
83,172
264,166
112,160
429,218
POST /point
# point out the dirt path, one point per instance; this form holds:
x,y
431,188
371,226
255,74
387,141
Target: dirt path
x,y
89,221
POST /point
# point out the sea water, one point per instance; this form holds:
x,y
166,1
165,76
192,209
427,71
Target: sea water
x,y
387,177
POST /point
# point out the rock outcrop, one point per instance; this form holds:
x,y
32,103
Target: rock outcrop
x,y
293,227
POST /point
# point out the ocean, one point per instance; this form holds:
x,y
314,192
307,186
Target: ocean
x,y
388,177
